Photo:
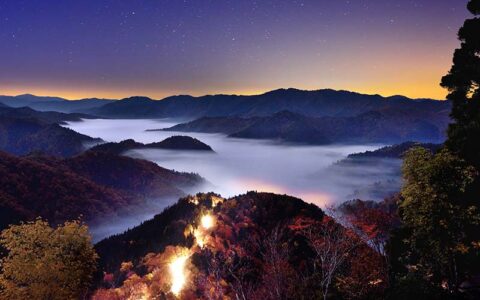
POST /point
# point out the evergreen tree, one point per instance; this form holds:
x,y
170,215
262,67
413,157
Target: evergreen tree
x,y
443,240
438,246
463,84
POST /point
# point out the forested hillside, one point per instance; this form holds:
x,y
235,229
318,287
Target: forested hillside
x,y
94,186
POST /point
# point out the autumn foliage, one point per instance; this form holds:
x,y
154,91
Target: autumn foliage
x,y
262,246
42,262
96,186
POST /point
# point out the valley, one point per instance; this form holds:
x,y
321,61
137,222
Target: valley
x,y
239,150
249,146
240,165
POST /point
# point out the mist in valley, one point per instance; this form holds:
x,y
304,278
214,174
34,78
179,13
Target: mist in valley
x,y
316,174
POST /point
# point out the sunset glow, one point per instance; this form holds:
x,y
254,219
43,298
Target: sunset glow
x,y
233,150
163,48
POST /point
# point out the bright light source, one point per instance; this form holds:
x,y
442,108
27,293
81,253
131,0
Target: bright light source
x,y
207,221
177,272
199,238
216,200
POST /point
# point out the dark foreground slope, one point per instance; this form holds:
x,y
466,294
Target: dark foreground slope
x,y
260,246
29,189
93,185
138,177
263,209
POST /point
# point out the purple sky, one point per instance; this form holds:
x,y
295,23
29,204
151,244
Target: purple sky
x,y
119,48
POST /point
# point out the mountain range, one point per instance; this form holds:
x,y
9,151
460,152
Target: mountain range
x,y
326,102
317,103
47,173
383,126
53,103
51,117
289,115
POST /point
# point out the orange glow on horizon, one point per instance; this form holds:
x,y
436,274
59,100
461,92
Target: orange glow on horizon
x,y
411,91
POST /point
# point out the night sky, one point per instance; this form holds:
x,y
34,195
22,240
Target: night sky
x,y
119,48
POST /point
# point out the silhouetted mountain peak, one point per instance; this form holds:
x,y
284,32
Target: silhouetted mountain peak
x,y
137,99
181,142
177,142
283,91
128,142
180,98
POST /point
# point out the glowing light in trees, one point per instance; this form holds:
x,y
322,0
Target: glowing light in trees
x,y
207,221
177,266
199,238
216,201
177,272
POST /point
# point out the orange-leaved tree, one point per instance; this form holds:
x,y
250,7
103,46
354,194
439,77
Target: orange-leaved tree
x,y
42,262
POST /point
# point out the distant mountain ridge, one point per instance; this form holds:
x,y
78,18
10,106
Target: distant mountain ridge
x,y
394,151
387,160
383,126
41,103
291,115
317,103
26,99
45,116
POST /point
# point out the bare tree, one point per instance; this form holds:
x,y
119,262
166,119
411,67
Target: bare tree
x,y
240,286
215,278
277,273
332,245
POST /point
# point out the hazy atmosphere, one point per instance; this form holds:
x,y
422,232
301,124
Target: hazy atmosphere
x,y
240,165
116,49
239,149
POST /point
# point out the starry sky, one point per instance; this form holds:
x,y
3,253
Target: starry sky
x,y
156,48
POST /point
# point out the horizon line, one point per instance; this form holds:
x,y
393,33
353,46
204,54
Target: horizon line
x,y
221,94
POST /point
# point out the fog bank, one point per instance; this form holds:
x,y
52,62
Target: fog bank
x,y
238,165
